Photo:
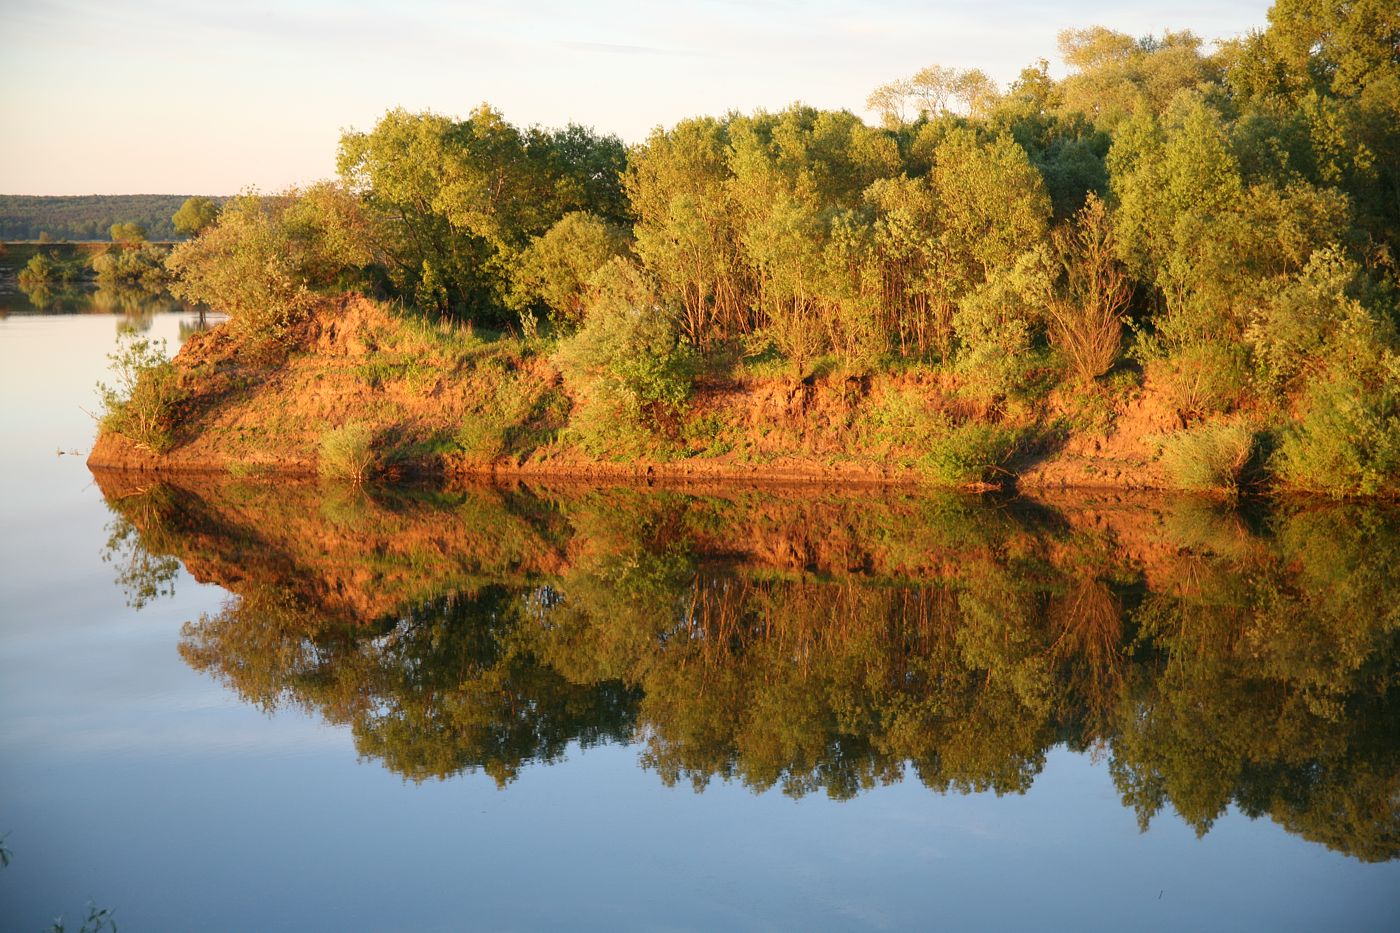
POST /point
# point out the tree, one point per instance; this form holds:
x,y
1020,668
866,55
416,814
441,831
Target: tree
x,y
267,260
1114,74
128,233
195,215
685,232
457,201
557,268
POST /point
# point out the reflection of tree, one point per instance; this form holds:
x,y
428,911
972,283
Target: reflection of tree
x,y
136,306
1277,688
142,575
812,645
196,325
45,297
447,687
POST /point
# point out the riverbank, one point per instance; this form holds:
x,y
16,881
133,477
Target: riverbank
x,y
441,401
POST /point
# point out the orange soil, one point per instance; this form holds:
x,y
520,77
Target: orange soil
x,y
269,415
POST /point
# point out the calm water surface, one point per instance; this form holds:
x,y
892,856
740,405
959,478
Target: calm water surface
x,y
238,705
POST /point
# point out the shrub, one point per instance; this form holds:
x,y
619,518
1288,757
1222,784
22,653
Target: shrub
x,y
265,259
1210,457
903,420
138,266
1348,442
142,405
1312,323
347,452
44,271
993,326
556,268
631,374
970,453
1201,378
1085,317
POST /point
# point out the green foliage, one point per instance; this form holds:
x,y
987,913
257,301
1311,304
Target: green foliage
x,y
1210,457
194,215
558,267
1086,314
1312,324
347,452
137,266
629,370
128,233
143,404
1115,75
969,454
1348,441
993,206
84,217
457,201
903,423
1238,209
44,271
677,185
1201,378
267,261
994,327
861,640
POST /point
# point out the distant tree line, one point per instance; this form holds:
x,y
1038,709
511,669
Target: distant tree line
x,y
88,217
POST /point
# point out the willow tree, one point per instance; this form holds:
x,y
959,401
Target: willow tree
x,y
798,186
267,260
194,215
558,267
676,185
905,259
1113,74
993,220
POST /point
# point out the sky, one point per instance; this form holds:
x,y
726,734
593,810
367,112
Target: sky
x,y
218,96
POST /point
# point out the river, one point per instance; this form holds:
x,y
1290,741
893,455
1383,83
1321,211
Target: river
x,y
237,703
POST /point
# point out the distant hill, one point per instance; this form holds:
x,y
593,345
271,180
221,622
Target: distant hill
x,y
86,217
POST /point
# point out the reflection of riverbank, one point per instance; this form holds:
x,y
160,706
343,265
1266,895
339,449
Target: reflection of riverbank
x,y
135,307
80,290
815,640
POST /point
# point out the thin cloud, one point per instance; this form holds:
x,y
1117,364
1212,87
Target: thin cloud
x,y
613,48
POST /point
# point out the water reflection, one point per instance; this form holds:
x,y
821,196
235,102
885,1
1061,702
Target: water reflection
x,y
135,303
815,642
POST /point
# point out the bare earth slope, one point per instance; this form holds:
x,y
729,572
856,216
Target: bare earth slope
x,y
422,389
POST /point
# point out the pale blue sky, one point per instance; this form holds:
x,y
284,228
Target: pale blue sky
x,y
212,96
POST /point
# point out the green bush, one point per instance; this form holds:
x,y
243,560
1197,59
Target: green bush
x,y
1210,457
142,405
139,266
43,271
970,453
556,268
1201,378
347,452
265,260
994,356
631,375
902,420
1348,442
